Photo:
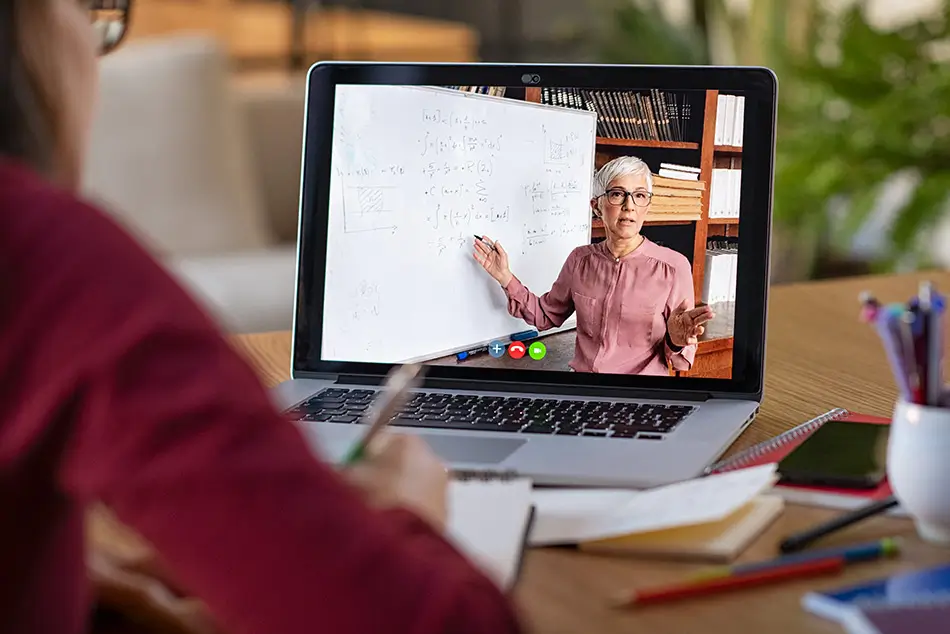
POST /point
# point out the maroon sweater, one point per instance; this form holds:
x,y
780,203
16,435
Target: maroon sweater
x,y
115,386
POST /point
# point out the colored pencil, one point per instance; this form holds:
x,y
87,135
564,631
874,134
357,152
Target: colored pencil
x,y
676,592
867,551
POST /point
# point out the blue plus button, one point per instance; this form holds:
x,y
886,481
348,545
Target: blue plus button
x,y
497,349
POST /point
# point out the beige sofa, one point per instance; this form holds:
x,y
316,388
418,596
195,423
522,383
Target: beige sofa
x,y
203,168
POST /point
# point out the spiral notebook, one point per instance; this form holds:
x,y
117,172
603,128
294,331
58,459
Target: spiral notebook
x,y
774,449
490,517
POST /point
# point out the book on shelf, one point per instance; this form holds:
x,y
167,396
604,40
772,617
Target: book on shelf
x,y
724,189
719,278
493,91
651,115
730,115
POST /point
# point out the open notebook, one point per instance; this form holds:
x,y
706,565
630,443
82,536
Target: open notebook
x,y
490,517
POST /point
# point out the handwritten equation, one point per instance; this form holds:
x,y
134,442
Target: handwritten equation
x,y
450,119
438,144
367,172
452,243
536,236
458,216
479,190
365,301
446,168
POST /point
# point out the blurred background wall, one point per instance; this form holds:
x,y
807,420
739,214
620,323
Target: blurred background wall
x,y
863,159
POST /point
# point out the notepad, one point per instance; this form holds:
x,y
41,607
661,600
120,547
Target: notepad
x,y
490,517
711,506
718,541
775,449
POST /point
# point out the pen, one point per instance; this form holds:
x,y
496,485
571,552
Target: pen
x,y
801,540
723,584
929,338
869,551
910,358
461,356
524,336
388,401
482,238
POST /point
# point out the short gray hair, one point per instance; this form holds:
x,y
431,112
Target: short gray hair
x,y
617,168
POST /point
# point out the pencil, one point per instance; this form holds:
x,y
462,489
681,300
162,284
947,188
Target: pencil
x,y
676,592
391,398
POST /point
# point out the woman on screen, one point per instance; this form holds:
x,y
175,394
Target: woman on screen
x,y
633,298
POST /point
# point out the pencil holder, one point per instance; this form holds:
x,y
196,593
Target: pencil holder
x,y
918,467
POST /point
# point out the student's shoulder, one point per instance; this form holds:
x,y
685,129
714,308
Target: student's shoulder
x,y
666,256
56,242
55,228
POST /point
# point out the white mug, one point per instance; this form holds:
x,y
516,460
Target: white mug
x,y
918,467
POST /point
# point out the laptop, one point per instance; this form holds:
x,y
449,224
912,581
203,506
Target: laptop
x,y
418,177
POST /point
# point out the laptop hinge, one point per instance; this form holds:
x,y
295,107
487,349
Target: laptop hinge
x,y
538,388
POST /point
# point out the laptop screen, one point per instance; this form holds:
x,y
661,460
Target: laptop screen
x,y
551,229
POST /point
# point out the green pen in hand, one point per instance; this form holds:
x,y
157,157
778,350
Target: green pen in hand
x,y
387,404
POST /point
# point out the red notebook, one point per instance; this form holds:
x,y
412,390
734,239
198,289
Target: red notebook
x,y
774,449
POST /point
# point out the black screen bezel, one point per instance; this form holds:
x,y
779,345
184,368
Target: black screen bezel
x,y
758,85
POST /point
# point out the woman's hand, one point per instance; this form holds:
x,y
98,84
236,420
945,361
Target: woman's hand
x,y
401,470
685,326
494,259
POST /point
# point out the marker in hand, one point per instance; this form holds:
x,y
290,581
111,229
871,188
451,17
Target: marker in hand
x,y
478,237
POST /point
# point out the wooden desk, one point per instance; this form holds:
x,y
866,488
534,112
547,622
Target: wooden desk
x,y
818,357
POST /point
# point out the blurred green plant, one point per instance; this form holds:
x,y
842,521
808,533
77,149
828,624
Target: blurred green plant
x,y
866,106
857,106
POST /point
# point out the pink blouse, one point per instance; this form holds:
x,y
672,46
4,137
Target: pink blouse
x,y
622,307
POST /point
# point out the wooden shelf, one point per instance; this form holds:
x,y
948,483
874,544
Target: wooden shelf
x,y
723,221
728,149
668,145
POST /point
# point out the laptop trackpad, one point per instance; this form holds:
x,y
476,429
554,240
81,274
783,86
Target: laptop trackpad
x,y
475,449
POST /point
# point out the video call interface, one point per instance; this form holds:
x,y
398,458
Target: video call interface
x,y
524,228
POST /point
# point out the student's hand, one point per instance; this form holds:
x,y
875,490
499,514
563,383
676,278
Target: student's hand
x,y
401,471
685,326
495,261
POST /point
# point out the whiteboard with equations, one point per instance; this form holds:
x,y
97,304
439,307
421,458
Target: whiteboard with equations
x,y
416,172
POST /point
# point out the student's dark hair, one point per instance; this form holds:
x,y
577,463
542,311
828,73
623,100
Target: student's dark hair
x,y
26,124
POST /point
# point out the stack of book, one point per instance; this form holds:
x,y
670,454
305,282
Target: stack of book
x,y
677,194
652,115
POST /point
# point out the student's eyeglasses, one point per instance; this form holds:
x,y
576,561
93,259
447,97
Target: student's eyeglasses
x,y
110,19
618,197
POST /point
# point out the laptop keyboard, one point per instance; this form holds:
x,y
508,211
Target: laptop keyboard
x,y
500,413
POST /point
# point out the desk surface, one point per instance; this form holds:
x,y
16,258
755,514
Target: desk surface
x,y
818,357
